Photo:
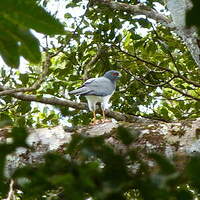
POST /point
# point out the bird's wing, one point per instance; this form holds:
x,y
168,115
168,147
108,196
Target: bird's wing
x,y
82,90
101,86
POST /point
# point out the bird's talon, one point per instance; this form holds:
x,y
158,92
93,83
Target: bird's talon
x,y
95,122
106,120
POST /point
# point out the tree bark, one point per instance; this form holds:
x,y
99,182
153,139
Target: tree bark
x,y
178,11
178,139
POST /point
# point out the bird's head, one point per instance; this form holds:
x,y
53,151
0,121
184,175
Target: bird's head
x,y
112,75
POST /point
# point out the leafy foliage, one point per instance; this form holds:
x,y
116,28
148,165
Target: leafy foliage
x,y
159,80
18,135
91,168
17,18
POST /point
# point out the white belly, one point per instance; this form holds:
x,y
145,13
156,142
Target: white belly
x,y
93,100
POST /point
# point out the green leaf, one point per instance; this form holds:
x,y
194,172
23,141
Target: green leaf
x,y
28,46
5,119
144,23
23,107
19,136
164,112
32,52
9,50
68,15
125,136
31,15
184,195
192,15
165,165
193,172
24,78
16,20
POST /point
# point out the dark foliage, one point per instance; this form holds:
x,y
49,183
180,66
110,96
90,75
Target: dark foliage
x,y
91,168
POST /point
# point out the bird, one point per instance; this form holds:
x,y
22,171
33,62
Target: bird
x,y
98,90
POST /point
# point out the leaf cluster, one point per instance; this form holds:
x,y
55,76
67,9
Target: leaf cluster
x,y
16,21
90,168
159,77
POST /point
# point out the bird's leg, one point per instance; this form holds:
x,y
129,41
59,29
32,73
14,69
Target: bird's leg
x,y
94,116
104,117
94,120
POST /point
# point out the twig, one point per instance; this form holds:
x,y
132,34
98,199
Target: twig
x,y
147,84
35,86
11,195
92,62
61,48
160,41
183,93
155,85
176,74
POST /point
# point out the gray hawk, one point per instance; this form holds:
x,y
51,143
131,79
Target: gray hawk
x,y
99,90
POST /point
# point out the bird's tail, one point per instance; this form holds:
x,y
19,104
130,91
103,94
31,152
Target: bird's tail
x,y
79,91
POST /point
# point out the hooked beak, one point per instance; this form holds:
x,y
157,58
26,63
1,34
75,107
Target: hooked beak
x,y
119,75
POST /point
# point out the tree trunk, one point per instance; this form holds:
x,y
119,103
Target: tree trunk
x,y
178,11
178,139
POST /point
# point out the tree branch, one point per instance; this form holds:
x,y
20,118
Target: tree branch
x,y
183,93
141,80
92,62
35,86
11,195
176,74
62,47
79,106
139,9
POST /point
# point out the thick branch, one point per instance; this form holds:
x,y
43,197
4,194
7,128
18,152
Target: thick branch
x,y
178,140
138,9
80,106
11,195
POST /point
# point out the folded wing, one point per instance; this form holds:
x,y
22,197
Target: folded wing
x,y
101,86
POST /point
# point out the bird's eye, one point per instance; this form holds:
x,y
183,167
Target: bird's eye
x,y
115,74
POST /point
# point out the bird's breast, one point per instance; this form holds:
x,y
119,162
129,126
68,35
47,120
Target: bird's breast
x,y
95,99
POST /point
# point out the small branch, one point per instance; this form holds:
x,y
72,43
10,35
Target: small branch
x,y
183,93
92,62
148,84
178,99
189,81
139,9
162,43
61,48
155,85
176,74
35,86
11,195
142,60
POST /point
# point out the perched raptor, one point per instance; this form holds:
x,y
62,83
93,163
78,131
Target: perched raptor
x,y
98,90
